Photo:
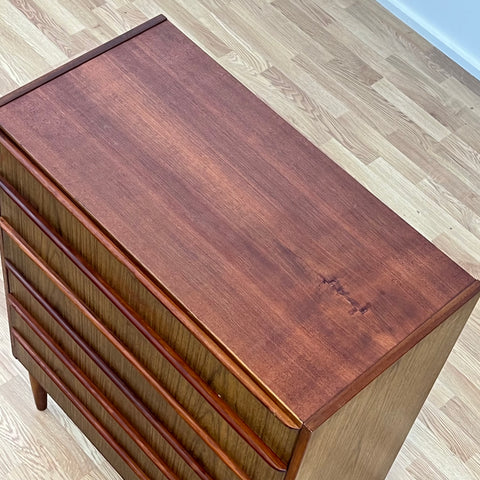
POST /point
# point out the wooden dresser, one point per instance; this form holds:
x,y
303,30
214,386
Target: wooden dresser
x,y
203,291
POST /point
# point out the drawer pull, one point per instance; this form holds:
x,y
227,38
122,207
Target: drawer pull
x,y
216,402
123,387
187,417
96,394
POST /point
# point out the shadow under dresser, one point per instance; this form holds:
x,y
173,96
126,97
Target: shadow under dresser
x,y
204,292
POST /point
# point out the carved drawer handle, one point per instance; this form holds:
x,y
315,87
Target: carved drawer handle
x,y
60,284
98,396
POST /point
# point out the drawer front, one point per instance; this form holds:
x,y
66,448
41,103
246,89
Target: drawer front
x,y
77,395
208,432
79,413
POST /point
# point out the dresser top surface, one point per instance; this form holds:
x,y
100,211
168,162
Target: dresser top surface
x,y
305,277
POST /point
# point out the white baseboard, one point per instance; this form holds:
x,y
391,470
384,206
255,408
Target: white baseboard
x,y
442,41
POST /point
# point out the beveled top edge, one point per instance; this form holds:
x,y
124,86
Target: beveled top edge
x,y
77,61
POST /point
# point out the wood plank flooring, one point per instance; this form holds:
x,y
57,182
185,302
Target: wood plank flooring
x,y
388,107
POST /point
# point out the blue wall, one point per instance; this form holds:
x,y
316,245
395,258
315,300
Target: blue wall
x,y
453,26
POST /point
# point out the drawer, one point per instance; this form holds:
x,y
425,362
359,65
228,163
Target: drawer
x,y
79,413
32,344
163,386
82,400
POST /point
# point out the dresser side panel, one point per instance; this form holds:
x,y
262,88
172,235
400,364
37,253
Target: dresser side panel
x,y
361,440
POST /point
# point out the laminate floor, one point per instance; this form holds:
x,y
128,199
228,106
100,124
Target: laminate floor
x,y
392,110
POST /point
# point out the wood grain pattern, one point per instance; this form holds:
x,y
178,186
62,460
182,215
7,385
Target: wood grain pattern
x,y
228,253
214,26
123,387
137,287
50,373
260,420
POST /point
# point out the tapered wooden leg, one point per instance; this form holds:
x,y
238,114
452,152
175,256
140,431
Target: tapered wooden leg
x,y
39,394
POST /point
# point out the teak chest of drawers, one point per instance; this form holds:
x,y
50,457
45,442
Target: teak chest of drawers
x,y
206,294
